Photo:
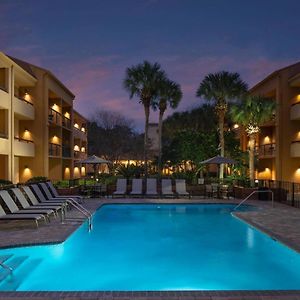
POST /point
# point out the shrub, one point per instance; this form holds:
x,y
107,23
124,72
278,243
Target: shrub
x,y
5,182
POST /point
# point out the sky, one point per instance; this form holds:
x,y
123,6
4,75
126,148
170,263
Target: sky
x,y
88,44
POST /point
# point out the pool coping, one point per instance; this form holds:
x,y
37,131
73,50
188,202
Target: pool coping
x,y
176,295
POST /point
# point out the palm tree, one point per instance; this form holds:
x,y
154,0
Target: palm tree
x,y
251,113
169,94
143,81
221,88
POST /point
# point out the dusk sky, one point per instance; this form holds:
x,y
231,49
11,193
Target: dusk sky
x,y
89,44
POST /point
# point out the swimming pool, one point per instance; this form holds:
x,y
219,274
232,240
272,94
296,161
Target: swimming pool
x,y
157,247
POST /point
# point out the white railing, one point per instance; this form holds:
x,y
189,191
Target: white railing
x,y
254,192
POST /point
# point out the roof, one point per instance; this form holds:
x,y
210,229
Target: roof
x,y
273,74
80,115
28,68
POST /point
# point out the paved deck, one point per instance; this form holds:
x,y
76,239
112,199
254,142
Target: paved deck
x,y
281,222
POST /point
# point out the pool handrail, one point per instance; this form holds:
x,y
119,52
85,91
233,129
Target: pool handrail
x,y
254,192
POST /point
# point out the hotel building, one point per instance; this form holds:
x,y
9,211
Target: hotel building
x,y
278,144
40,132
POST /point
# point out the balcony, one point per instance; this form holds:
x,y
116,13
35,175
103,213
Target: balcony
x,y
23,108
66,152
79,155
266,150
66,122
23,147
295,149
4,99
79,134
54,150
4,144
295,111
54,117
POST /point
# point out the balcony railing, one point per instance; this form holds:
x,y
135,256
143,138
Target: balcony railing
x,y
23,99
23,140
3,88
54,116
3,135
265,150
66,151
66,122
54,149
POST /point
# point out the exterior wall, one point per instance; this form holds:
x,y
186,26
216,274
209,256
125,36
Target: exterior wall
x,y
283,163
26,128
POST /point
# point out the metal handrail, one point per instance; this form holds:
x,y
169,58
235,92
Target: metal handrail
x,y
4,266
83,210
264,191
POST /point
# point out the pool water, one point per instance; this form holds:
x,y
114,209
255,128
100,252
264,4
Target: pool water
x,y
157,247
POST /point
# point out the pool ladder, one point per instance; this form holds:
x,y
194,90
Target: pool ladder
x,y
82,210
254,192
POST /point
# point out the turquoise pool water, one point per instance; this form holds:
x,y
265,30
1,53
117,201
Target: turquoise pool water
x,y
157,247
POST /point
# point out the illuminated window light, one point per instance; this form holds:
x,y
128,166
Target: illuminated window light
x,y
235,126
76,125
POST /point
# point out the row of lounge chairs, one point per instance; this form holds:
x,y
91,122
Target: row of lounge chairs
x,y
37,202
151,189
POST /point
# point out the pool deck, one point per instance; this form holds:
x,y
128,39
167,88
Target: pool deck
x,y
281,223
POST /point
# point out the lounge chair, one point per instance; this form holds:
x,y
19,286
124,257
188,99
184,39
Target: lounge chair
x,y
121,187
38,193
137,187
55,194
166,188
30,195
151,187
20,217
12,207
25,204
181,188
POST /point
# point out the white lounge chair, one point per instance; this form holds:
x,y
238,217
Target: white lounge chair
x,y
121,187
137,187
20,217
181,188
166,188
151,187
55,194
12,207
44,187
25,204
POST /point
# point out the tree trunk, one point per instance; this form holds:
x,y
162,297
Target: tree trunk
x,y
221,141
146,142
161,113
251,158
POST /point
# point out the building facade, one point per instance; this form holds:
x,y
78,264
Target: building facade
x,y
278,143
37,129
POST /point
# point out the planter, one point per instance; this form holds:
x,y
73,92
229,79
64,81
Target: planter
x,y
68,191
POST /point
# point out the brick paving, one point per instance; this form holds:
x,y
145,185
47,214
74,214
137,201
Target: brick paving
x,y
281,222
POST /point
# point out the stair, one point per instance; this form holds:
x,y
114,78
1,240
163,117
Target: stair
x,y
11,283
13,263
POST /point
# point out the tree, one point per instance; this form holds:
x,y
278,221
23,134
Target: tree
x,y
221,88
251,113
112,136
169,95
143,81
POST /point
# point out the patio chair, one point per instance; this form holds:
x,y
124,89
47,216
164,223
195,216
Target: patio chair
x,y
121,187
55,194
25,204
12,207
151,187
166,188
34,201
38,193
137,187
44,188
21,217
181,188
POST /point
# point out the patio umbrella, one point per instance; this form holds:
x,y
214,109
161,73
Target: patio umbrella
x,y
218,160
95,161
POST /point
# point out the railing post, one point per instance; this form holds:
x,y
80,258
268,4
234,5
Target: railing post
x,y
293,194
